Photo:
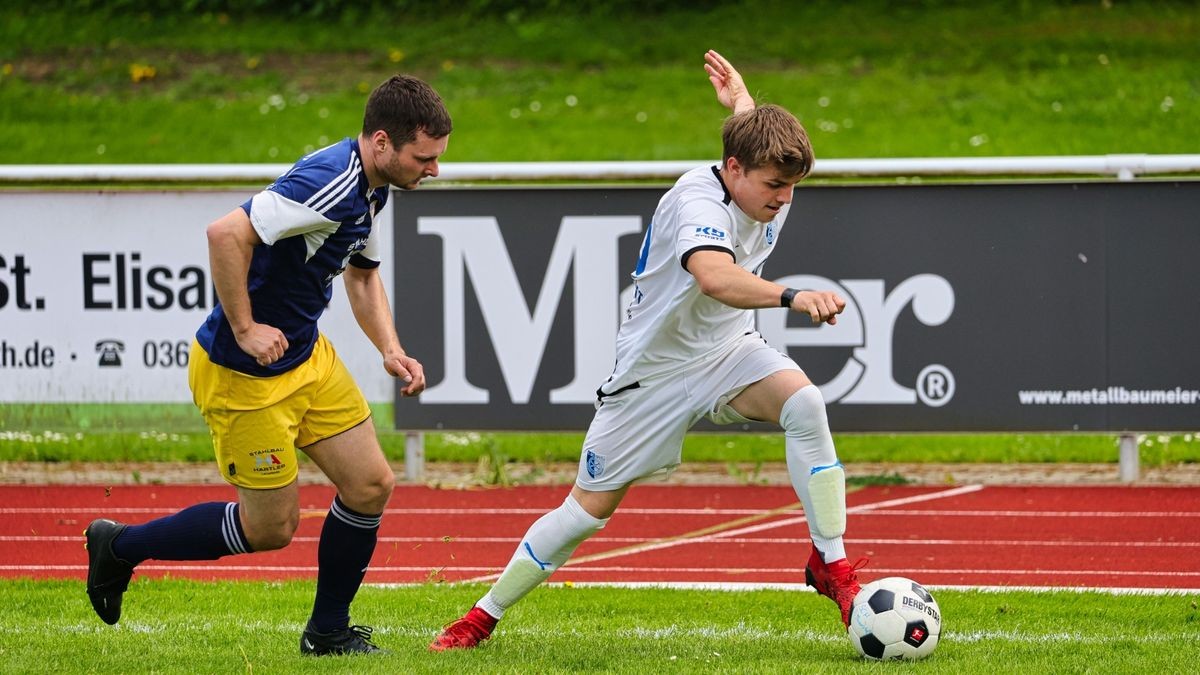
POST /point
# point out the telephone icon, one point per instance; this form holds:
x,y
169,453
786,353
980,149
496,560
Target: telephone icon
x,y
110,353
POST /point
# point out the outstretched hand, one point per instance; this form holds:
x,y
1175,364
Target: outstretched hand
x,y
731,91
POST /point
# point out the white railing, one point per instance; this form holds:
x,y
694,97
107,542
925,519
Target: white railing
x,y
1123,167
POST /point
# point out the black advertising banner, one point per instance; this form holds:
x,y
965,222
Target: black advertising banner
x,y
995,307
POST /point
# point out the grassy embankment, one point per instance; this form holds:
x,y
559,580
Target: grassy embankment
x,y
868,82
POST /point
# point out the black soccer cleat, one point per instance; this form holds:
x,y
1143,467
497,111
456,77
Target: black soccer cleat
x,y
349,640
108,575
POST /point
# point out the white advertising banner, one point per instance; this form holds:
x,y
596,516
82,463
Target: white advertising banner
x,y
102,292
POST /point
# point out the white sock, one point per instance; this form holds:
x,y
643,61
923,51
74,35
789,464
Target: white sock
x,y
548,544
815,470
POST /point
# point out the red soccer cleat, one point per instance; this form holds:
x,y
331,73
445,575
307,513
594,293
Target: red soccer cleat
x,y
837,581
466,633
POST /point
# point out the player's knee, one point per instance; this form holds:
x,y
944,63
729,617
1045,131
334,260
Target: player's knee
x,y
370,495
803,413
380,490
598,505
578,521
272,534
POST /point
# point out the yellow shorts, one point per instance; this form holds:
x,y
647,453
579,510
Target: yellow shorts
x,y
258,422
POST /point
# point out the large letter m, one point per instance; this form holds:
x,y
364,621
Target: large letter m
x,y
518,335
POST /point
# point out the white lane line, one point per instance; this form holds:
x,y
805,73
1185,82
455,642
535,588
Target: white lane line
x,y
218,567
853,510
954,492
747,586
513,540
1044,514
924,572
679,541
482,510
866,509
883,571
741,633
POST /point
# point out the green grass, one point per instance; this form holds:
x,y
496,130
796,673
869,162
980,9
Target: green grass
x,y
191,627
175,432
869,79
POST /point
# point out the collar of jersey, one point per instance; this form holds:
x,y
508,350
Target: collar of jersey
x,y
740,217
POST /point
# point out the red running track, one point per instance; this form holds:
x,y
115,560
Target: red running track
x,y
1092,537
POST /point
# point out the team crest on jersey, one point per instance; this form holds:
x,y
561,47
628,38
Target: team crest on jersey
x,y
770,233
595,464
710,232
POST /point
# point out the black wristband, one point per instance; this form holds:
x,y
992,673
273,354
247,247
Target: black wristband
x,y
785,298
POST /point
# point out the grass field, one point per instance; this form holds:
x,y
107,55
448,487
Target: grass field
x,y
181,626
145,433
869,79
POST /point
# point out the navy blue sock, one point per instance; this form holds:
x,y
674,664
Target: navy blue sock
x,y
201,532
347,543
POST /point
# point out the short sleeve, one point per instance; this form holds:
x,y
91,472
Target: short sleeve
x,y
276,217
317,191
704,226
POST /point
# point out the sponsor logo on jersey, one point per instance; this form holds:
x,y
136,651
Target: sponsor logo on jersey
x,y
355,247
265,461
710,232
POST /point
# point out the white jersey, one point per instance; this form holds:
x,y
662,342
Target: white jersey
x,y
669,323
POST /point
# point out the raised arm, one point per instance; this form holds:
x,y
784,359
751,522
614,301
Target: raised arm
x,y
731,91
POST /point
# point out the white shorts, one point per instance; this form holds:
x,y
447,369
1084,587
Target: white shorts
x,y
638,433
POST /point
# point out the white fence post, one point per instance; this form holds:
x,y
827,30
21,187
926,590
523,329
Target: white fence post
x,y
414,456
1129,466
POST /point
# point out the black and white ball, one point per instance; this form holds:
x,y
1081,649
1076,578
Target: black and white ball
x,y
895,618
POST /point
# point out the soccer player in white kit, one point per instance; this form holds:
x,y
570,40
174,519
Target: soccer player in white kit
x,y
687,349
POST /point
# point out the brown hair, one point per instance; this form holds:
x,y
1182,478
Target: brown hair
x,y
768,135
404,105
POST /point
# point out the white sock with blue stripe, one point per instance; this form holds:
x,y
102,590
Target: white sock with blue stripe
x,y
547,545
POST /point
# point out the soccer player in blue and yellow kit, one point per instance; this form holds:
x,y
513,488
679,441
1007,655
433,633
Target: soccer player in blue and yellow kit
x,y
268,382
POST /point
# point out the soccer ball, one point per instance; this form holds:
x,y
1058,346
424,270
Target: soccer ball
x,y
895,618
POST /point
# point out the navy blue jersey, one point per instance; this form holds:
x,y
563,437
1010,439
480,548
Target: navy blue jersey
x,y
313,221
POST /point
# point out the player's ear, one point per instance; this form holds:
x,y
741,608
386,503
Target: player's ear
x,y
380,140
733,166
